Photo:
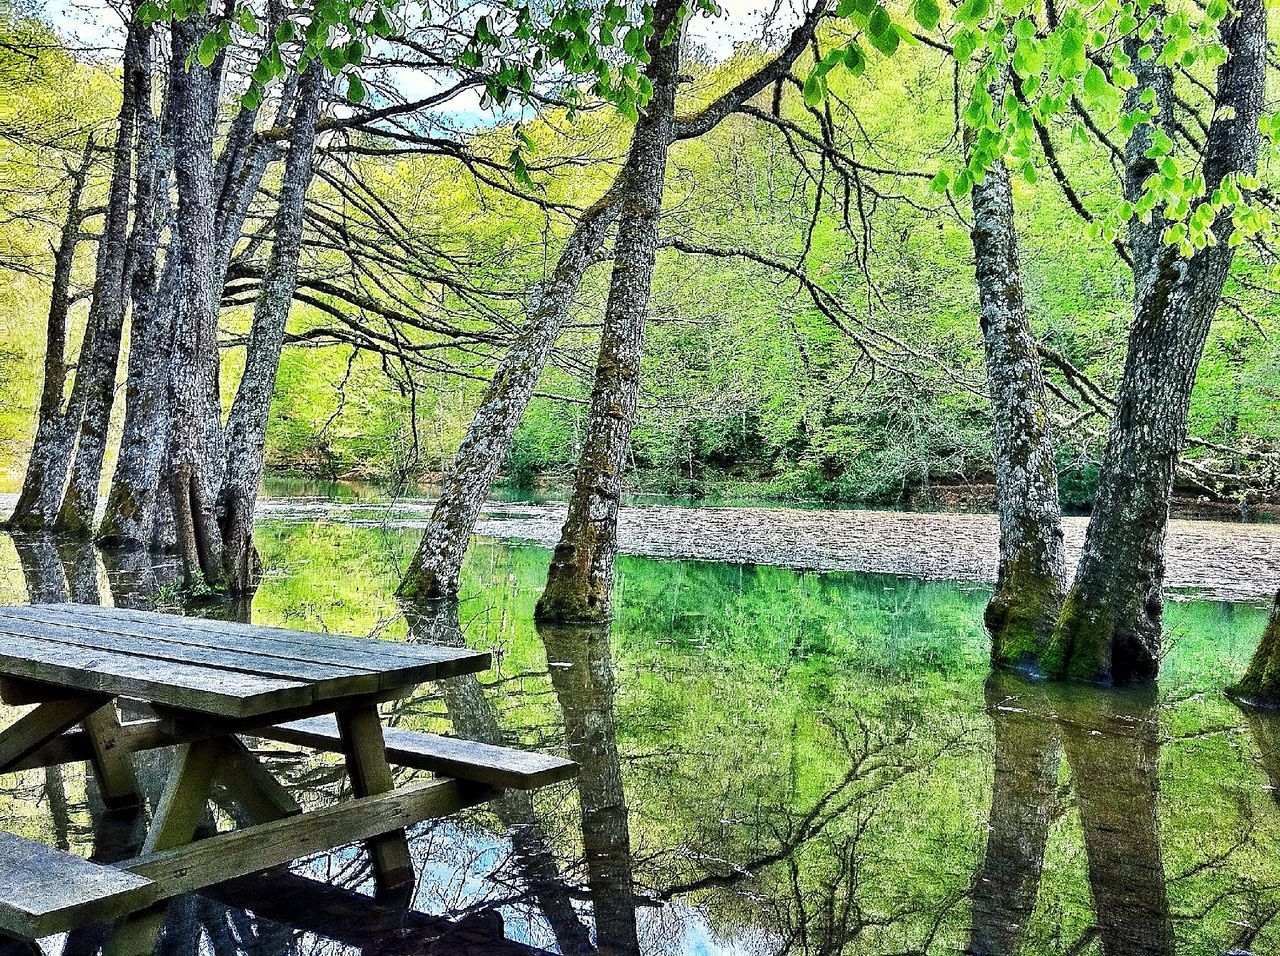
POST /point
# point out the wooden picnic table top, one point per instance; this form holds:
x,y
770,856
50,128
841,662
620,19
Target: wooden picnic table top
x,y
212,667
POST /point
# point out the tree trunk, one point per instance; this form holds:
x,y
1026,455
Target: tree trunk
x,y
50,455
580,582
194,362
437,563
1031,576
582,675
247,425
1260,686
1110,625
99,365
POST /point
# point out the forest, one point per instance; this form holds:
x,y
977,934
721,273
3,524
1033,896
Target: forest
x,y
939,328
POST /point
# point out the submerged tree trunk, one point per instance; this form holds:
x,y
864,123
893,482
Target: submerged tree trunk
x,y
194,360
50,455
472,717
438,561
1110,625
1032,569
99,364
1260,686
247,425
580,582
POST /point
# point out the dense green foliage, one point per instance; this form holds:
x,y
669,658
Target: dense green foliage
x,y
748,386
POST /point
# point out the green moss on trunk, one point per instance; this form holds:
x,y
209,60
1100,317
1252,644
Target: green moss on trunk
x,y
1080,646
1020,618
1260,686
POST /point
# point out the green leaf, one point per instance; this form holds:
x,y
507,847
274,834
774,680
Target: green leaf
x,y
940,182
1095,82
208,50
815,90
355,88
927,13
854,59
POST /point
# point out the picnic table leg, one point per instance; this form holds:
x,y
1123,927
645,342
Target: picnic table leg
x,y
249,784
112,764
180,811
36,728
366,754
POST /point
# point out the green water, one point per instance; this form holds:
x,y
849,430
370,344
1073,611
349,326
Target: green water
x,y
784,762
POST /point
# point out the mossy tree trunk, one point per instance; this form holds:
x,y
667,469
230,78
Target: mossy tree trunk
x,y
99,367
1260,686
247,424
1110,625
194,362
1030,579
580,582
437,563
42,483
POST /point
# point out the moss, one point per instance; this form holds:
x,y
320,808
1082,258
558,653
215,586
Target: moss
x,y
1080,648
570,596
1020,618
1260,686
420,583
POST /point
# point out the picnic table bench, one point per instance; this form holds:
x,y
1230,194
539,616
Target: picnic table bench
x,y
209,682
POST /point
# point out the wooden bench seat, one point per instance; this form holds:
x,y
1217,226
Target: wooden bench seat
x,y
45,891
450,756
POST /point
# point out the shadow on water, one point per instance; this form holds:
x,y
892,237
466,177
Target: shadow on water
x,y
769,764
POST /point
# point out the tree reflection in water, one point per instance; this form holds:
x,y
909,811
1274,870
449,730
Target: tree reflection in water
x,y
860,832
1111,742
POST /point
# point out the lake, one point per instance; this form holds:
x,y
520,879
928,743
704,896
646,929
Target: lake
x,y
787,750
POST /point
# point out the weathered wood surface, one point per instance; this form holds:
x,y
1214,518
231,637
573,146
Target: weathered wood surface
x,y
254,649
45,891
30,732
238,853
213,667
450,756
366,753
369,653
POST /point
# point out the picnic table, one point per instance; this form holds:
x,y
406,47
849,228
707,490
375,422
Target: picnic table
x,y
209,683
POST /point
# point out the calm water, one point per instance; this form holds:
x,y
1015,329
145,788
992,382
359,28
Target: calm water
x,y
772,762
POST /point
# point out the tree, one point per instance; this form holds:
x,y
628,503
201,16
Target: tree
x,y
1260,686
1032,567
1110,625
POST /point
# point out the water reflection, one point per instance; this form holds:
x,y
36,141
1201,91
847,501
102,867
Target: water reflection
x,y
1111,742
770,764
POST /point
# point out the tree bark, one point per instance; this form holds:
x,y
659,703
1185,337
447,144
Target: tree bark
x,y
1260,686
194,362
580,581
50,454
1030,580
247,425
99,365
1110,625
437,563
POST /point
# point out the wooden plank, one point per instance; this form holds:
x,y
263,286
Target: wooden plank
x,y
184,686
133,736
241,852
369,653
362,744
36,728
80,635
109,754
450,756
45,891
186,796
249,784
